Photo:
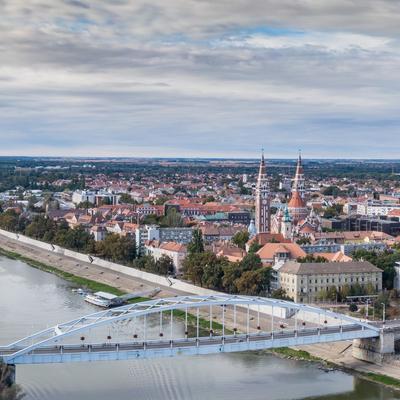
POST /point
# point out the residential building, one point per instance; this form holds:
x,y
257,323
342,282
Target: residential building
x,y
272,253
176,251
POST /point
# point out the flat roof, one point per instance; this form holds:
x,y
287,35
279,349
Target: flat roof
x,y
105,295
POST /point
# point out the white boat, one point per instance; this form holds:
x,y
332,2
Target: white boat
x,y
101,299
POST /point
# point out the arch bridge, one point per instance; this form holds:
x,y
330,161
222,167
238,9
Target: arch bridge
x,y
185,325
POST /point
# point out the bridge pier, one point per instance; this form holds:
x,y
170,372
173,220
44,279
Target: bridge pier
x,y
375,350
7,376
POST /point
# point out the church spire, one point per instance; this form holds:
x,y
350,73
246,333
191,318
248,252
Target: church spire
x,y
298,181
262,170
263,199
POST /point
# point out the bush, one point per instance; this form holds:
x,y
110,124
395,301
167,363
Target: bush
x,y
353,307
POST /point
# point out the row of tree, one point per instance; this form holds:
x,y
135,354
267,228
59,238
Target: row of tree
x,y
333,294
121,249
205,269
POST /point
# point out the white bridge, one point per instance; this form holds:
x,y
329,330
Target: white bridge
x,y
137,330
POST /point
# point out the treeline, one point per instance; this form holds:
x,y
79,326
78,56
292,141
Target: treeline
x,y
385,260
120,249
333,294
205,269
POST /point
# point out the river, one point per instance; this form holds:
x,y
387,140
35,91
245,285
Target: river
x,y
31,299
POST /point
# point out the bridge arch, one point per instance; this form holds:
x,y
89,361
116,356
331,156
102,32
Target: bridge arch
x,y
55,334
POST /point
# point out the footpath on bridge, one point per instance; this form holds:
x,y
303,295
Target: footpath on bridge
x,y
337,353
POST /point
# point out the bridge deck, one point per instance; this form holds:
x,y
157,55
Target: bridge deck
x,y
190,346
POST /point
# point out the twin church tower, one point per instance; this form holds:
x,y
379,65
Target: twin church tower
x,y
295,211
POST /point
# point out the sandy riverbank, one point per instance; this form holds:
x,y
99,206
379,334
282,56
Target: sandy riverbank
x,y
336,353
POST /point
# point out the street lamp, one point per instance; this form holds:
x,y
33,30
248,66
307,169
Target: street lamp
x,y
384,312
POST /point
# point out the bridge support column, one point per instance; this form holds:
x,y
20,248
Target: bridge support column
x,y
7,376
374,350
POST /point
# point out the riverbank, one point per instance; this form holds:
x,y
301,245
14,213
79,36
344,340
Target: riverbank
x,y
97,278
327,365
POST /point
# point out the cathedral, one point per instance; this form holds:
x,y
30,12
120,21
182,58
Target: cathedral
x,y
292,220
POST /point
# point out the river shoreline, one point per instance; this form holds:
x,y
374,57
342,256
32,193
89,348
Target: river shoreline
x,y
118,286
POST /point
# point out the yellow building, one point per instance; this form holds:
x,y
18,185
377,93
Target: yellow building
x,y
304,281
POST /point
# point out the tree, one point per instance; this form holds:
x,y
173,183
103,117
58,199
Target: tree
x,y
241,238
165,265
232,272
40,228
345,292
333,211
353,307
151,219
125,198
196,245
204,269
384,260
280,294
310,258
9,220
254,283
172,219
332,293
117,248
212,275
85,205
331,191
254,247
303,240
250,262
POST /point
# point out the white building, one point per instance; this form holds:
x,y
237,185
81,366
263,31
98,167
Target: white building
x,y
176,251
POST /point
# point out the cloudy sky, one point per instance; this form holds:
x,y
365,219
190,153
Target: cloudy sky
x,y
217,78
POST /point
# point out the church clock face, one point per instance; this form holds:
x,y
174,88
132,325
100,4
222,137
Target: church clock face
x,y
264,202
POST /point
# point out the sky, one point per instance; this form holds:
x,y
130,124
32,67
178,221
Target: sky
x,y
200,78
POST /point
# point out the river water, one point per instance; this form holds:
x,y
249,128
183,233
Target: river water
x,y
31,299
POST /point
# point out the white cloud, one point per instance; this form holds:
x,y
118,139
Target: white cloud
x,y
197,77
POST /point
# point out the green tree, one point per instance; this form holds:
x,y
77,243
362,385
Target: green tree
x,y
250,262
165,265
232,272
197,244
303,240
254,283
9,221
172,219
120,249
125,198
241,238
385,260
151,219
85,205
310,258
254,247
280,294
